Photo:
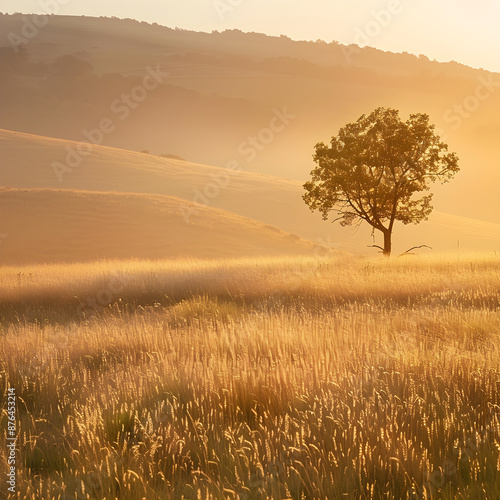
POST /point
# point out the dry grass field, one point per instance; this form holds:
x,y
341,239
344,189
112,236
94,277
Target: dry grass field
x,y
307,378
177,324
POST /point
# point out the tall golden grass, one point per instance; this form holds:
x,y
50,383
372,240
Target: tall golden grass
x,y
255,378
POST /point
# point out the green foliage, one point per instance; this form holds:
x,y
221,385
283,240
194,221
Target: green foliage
x,y
374,167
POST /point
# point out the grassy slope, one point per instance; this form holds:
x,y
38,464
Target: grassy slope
x,y
27,161
222,88
49,226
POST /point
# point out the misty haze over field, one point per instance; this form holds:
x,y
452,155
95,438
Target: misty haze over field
x,y
241,102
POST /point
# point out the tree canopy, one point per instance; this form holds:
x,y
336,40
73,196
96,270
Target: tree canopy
x,y
373,169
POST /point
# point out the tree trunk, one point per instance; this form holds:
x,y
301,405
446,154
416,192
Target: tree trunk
x,y
387,243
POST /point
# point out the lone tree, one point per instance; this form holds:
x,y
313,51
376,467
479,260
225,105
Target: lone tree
x,y
373,168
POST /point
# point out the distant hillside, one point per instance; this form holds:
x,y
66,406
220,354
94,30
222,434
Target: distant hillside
x,y
261,101
28,162
66,226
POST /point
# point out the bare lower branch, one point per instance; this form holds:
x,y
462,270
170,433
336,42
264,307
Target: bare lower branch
x,y
338,218
375,246
414,248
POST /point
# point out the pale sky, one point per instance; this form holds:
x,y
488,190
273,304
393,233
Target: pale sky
x,y
466,31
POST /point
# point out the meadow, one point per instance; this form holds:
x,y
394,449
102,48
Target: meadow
x,y
324,377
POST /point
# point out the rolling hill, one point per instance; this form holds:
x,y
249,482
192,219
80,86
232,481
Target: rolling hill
x,y
43,225
28,163
218,94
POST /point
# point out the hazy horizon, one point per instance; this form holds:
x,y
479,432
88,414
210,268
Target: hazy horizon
x,y
206,94
454,31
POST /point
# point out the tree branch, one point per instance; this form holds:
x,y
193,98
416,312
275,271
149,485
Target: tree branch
x,y
375,246
414,248
338,218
